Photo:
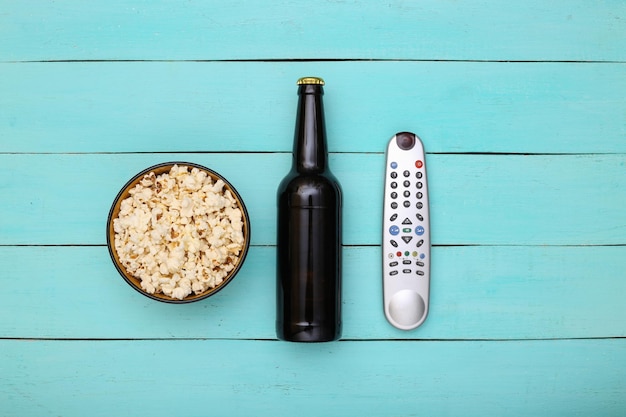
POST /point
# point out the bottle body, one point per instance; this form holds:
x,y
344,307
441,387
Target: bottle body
x,y
309,233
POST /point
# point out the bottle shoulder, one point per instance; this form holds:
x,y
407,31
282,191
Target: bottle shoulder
x,y
298,189
295,180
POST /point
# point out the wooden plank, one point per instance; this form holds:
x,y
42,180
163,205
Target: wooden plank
x,y
219,106
475,199
476,293
434,30
221,377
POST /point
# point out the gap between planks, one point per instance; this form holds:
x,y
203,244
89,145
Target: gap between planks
x,y
348,340
283,60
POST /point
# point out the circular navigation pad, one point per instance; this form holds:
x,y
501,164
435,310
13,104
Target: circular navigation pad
x,y
405,140
407,308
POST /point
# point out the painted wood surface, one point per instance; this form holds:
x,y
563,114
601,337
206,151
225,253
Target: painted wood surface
x,y
488,107
534,30
235,377
522,110
478,292
475,199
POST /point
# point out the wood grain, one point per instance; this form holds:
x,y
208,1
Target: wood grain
x,y
492,293
223,377
459,107
475,199
238,30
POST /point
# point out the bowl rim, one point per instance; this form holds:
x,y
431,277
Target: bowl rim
x,y
114,210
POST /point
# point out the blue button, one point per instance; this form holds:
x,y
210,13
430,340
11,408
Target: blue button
x,y
394,165
394,230
419,230
422,256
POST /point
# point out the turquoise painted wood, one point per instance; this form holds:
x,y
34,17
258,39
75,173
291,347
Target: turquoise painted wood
x,y
166,30
521,107
233,106
234,377
478,292
475,199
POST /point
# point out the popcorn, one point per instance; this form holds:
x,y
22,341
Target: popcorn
x,y
179,232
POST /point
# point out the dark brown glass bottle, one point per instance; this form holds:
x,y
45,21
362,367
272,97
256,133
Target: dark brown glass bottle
x,y
308,264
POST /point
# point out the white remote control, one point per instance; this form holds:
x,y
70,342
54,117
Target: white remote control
x,y
406,233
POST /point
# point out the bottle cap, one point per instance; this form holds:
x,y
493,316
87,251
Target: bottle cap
x,y
310,80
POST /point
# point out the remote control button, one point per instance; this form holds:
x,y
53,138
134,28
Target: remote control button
x,y
406,253
405,140
394,174
394,165
419,205
390,255
394,263
393,217
406,173
422,256
394,230
407,239
406,262
419,230
419,164
419,175
420,185
406,203
406,183
393,243
420,217
406,271
406,194
394,205
420,243
394,184
406,221
392,273
398,253
394,195
419,195
406,307
419,263
414,254
406,230
420,273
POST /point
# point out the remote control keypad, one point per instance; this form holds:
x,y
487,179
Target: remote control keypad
x,y
412,258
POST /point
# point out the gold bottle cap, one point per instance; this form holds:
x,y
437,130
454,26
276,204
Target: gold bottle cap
x,y
310,80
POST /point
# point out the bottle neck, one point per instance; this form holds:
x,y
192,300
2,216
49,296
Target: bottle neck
x,y
309,146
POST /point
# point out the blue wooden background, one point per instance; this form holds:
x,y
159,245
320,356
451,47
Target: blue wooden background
x,y
522,110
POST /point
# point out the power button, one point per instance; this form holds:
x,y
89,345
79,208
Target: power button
x,y
405,140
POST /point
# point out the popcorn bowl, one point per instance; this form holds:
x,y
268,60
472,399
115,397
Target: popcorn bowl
x,y
148,254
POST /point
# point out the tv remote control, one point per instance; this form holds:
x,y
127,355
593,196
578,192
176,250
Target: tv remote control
x,y
406,233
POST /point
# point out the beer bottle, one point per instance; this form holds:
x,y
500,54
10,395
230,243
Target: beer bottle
x,y
308,264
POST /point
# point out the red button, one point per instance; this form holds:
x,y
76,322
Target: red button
x,y
399,253
419,164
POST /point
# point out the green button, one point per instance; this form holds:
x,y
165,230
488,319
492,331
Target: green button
x,y
406,230
406,253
